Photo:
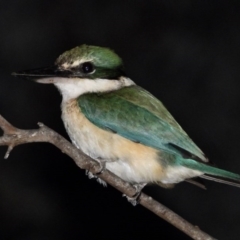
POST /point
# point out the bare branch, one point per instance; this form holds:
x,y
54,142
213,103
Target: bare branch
x,y
13,136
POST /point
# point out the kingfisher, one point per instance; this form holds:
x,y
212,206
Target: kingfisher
x,y
121,125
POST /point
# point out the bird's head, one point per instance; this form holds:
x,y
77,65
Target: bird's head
x,y
82,69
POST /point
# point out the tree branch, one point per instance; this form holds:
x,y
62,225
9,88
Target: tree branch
x,y
13,136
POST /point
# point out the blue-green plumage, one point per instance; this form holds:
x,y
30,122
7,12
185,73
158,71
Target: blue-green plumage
x,y
111,118
135,114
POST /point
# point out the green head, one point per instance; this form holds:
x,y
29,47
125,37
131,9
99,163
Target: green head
x,y
84,61
92,61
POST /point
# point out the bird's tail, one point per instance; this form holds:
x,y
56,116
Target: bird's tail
x,y
213,173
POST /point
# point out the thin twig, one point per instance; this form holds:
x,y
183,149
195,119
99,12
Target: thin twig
x,y
13,136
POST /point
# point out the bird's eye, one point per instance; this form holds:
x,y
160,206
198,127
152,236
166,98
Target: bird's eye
x,y
87,67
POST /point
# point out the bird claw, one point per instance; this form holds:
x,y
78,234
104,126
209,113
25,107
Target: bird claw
x,y
90,174
102,169
135,199
99,180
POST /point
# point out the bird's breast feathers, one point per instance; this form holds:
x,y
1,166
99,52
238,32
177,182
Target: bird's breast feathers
x,y
125,158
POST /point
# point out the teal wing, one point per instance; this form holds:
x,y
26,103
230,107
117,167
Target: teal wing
x,y
135,114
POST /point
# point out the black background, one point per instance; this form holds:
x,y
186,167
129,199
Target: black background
x,y
185,52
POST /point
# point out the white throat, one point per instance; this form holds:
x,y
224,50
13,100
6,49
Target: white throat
x,y
71,88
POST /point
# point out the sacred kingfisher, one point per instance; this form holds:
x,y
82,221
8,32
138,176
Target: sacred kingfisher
x,y
122,125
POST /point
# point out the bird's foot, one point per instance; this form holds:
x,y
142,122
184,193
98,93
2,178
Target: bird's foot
x,y
134,200
102,169
102,164
99,180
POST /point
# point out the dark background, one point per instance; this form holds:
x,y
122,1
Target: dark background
x,y
187,53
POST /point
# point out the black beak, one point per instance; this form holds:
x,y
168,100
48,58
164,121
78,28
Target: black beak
x,y
42,73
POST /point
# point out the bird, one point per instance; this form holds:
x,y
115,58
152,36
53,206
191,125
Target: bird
x,y
120,124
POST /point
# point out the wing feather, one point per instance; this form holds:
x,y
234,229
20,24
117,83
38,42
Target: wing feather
x,y
135,114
